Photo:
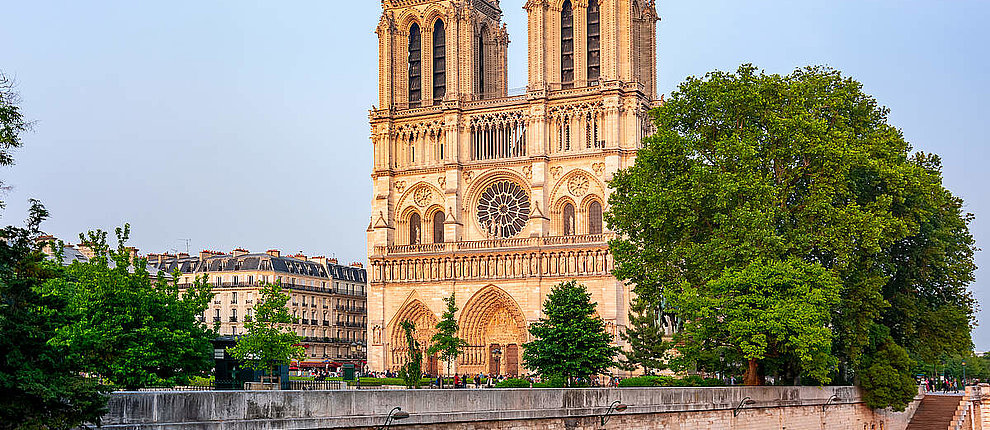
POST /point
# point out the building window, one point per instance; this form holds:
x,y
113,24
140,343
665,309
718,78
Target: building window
x,y
415,66
481,61
594,41
438,227
439,62
567,45
233,297
568,219
414,229
595,218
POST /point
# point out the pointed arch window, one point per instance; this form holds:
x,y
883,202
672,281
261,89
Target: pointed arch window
x,y
481,61
594,42
438,227
439,62
415,66
595,218
567,45
414,229
568,219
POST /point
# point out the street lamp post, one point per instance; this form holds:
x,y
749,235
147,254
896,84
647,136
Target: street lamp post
x,y
497,354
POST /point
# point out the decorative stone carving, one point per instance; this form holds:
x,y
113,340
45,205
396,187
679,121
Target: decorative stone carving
x,y
528,172
422,196
578,185
555,171
442,181
598,168
467,176
400,186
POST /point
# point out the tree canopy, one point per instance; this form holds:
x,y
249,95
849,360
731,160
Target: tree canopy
x,y
445,342
749,169
570,340
269,342
131,330
41,384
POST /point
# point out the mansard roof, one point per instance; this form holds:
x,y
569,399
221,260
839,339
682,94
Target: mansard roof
x,y
259,261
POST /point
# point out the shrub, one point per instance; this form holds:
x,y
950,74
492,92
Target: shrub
x,y
513,383
669,381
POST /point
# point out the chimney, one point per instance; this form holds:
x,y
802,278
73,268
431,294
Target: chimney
x,y
204,254
321,260
240,251
275,253
153,258
301,256
183,255
132,252
332,261
358,265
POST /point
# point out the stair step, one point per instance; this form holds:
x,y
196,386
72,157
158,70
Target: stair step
x,y
934,412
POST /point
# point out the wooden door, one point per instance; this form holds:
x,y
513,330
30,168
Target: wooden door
x,y
512,360
432,365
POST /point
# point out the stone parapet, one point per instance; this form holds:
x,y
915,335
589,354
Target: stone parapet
x,y
668,408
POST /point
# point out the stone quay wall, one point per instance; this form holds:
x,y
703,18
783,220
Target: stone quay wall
x,y
517,409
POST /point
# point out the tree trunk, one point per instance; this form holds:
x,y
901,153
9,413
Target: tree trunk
x,y
752,376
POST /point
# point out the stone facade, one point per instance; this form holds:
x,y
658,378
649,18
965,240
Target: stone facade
x,y
492,196
327,299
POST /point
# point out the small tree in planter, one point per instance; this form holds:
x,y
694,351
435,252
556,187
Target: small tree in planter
x,y
446,344
269,343
412,371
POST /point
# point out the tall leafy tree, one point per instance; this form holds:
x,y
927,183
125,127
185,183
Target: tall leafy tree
x,y
570,341
767,309
411,372
445,342
132,331
270,341
748,166
12,122
42,384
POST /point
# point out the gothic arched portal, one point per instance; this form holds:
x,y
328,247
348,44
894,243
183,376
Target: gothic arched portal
x,y
495,329
425,321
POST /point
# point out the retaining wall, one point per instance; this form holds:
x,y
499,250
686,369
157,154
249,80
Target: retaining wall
x,y
518,409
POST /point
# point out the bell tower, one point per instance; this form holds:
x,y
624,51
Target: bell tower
x,y
431,51
581,43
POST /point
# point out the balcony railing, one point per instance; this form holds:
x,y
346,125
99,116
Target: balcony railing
x,y
523,242
216,319
305,321
233,319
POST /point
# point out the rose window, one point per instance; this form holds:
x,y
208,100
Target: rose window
x,y
503,209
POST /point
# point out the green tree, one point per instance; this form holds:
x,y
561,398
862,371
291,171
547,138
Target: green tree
x,y
768,309
42,385
747,166
445,342
127,328
648,346
269,342
411,372
570,341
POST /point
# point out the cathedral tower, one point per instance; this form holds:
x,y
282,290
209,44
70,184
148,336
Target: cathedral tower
x,y
497,197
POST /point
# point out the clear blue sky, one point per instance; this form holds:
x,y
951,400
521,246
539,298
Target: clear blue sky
x,y
244,123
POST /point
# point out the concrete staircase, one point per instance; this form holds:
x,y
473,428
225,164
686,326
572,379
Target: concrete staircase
x,y
935,413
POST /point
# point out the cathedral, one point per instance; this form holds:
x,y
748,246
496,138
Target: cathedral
x,y
492,194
